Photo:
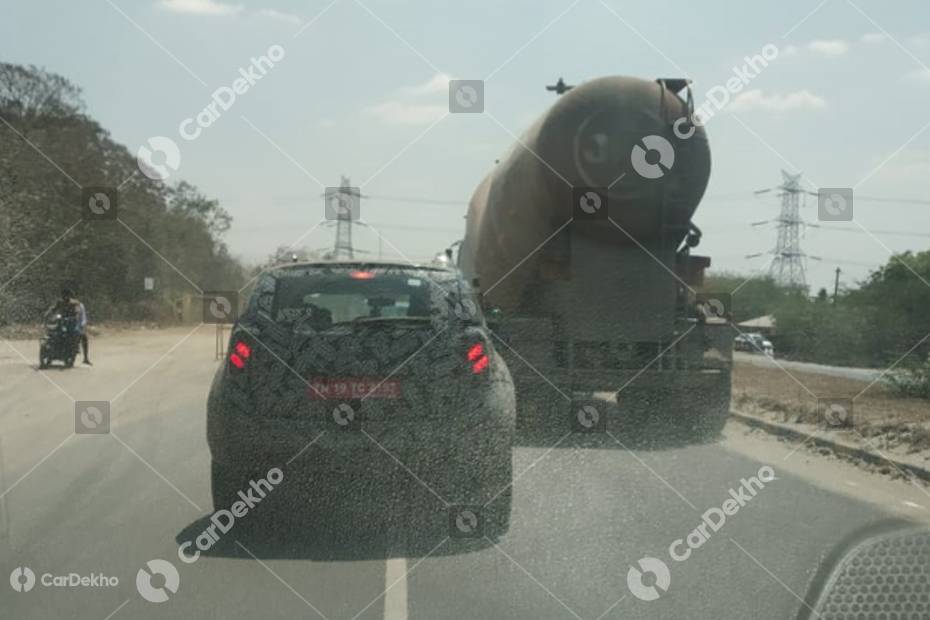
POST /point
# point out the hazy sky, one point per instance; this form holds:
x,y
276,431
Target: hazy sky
x,y
361,91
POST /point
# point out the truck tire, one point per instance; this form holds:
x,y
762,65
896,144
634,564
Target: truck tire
x,y
714,410
694,410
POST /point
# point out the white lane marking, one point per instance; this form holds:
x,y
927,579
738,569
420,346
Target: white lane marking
x,y
395,583
851,483
912,505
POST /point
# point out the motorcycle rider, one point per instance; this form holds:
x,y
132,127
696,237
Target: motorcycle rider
x,y
66,305
71,308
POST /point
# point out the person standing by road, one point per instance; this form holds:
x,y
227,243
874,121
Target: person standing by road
x,y
82,329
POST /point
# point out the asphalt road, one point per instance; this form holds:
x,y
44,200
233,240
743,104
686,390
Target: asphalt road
x,y
866,375
584,513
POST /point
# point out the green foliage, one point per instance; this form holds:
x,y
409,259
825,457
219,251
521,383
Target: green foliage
x,y
104,261
912,380
875,325
897,299
751,296
817,330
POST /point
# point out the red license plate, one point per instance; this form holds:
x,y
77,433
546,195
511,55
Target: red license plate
x,y
336,388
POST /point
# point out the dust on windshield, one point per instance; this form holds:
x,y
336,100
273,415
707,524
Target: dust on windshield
x,y
372,309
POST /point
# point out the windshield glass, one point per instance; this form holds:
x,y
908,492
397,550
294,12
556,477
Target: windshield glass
x,y
353,295
524,309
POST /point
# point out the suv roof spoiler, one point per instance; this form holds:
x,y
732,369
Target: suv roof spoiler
x,y
358,264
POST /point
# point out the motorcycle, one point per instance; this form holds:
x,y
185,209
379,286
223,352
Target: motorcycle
x,y
61,341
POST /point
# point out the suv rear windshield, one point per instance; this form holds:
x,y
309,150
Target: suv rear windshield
x,y
331,296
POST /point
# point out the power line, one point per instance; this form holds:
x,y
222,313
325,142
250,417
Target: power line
x,y
412,200
843,261
415,228
740,195
915,201
731,196
903,233
408,199
887,199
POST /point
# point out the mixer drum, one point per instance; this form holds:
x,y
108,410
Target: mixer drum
x,y
617,134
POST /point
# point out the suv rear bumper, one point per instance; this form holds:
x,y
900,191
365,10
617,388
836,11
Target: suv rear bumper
x,y
247,438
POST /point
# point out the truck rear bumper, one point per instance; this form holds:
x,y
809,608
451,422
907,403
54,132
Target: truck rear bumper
x,y
684,399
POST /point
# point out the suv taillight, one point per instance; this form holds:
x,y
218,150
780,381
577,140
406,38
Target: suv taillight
x,y
477,358
239,355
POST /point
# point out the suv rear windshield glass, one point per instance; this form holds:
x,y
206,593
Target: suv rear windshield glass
x,y
344,296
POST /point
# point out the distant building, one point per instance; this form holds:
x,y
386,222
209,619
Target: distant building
x,y
761,324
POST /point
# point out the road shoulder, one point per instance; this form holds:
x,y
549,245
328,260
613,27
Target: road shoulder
x,y
907,498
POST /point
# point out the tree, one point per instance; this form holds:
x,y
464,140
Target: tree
x,y
30,94
872,325
49,150
185,199
752,296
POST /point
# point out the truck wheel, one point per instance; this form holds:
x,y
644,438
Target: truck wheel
x,y
715,410
692,413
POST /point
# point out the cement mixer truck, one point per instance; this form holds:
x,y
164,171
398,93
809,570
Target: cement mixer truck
x,y
580,242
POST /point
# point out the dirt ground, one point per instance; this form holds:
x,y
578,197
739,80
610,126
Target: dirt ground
x,y
898,424
32,331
